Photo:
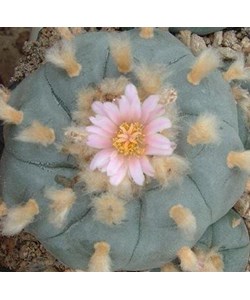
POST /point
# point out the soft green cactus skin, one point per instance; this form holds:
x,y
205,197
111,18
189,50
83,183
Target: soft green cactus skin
x,y
232,243
148,238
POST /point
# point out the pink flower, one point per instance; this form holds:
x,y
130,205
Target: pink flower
x,y
127,134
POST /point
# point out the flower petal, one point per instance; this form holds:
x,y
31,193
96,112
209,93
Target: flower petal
x,y
119,176
158,125
124,108
148,106
158,141
135,170
99,131
115,163
131,93
104,123
157,151
112,112
147,168
156,113
100,158
98,108
98,142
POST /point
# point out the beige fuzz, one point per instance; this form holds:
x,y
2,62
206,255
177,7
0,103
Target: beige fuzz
x,y
37,133
151,79
10,115
112,88
169,267
65,33
100,261
109,209
95,181
62,55
4,94
240,160
184,218
208,61
147,32
61,203
203,131
3,209
121,52
170,169
237,70
19,217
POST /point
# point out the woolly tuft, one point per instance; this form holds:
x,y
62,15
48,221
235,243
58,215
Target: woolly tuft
x,y
169,170
4,94
65,33
236,222
38,134
3,209
112,88
100,261
204,130
208,61
10,115
151,79
169,267
121,52
239,93
109,209
188,260
237,70
184,219
95,181
62,55
209,261
168,95
240,160
61,203
19,217
147,32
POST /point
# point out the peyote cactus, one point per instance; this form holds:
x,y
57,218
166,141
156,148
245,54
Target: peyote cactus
x,y
123,152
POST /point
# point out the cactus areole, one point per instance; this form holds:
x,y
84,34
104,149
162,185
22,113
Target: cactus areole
x,y
110,157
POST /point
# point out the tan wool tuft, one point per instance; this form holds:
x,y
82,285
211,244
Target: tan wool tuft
x,y
3,209
65,32
204,130
112,88
240,160
208,61
188,260
4,94
151,79
169,267
100,261
109,209
121,52
38,134
209,261
95,181
169,170
62,55
61,203
9,114
237,70
19,217
184,219
147,32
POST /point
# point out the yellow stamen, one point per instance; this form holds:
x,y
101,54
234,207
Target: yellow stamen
x,y
129,139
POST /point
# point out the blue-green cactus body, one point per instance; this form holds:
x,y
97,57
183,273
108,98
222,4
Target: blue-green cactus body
x,y
148,237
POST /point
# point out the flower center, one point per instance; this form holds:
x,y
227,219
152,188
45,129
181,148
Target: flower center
x,y
129,139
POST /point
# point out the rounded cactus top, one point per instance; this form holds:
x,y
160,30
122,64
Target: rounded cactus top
x,y
124,143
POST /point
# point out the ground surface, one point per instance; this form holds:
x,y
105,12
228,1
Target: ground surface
x,y
19,58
